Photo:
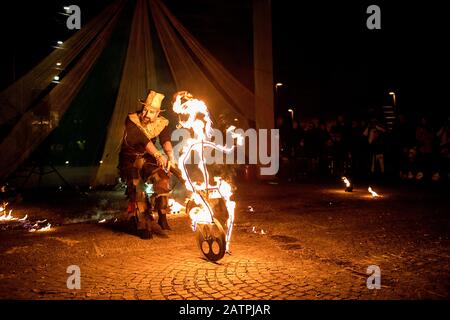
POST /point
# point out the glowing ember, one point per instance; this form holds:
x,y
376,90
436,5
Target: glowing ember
x,y
43,229
199,121
373,193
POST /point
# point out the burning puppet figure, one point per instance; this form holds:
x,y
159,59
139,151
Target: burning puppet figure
x,y
140,161
194,116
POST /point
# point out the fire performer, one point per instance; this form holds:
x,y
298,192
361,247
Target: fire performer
x,y
140,161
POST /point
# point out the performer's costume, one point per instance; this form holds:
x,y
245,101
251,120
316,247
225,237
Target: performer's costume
x,y
136,166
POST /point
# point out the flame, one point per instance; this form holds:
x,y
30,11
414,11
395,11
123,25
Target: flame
x,y
25,223
175,207
347,183
43,229
373,193
199,121
102,221
9,216
46,228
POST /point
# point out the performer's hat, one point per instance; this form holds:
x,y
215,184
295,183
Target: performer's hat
x,y
153,101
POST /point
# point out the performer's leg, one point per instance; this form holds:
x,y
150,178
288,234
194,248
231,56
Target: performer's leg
x,y
143,218
129,216
160,182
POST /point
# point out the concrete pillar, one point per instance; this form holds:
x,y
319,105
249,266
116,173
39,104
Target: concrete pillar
x,y
262,57
262,60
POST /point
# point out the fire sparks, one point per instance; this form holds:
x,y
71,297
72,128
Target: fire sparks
x,y
9,216
373,193
199,121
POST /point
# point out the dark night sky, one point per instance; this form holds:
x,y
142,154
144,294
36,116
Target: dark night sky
x,y
323,53
336,63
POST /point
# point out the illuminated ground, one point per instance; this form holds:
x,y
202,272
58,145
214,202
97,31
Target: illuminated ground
x,y
318,244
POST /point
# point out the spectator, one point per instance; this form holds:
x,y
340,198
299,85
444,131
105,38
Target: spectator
x,y
375,137
424,137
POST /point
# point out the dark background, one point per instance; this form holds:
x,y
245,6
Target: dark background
x,y
323,52
326,58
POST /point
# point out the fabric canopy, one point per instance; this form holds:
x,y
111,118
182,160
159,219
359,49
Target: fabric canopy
x,y
192,68
31,130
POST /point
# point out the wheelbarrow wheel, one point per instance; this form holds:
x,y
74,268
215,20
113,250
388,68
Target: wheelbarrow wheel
x,y
211,240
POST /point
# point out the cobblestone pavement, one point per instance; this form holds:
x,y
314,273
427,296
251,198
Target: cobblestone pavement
x,y
317,244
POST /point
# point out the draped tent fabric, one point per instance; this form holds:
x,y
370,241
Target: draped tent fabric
x,y
19,97
216,86
240,98
191,66
210,81
138,75
29,132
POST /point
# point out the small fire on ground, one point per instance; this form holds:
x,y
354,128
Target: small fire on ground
x,y
373,193
31,226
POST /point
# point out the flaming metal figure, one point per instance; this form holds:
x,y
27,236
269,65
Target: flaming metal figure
x,y
207,198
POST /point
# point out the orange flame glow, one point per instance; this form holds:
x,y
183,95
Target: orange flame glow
x,y
347,183
373,193
9,216
175,207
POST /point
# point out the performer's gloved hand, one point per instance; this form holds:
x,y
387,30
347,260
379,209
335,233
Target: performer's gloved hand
x,y
161,160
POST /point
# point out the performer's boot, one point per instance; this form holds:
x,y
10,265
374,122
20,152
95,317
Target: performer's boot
x,y
162,221
162,204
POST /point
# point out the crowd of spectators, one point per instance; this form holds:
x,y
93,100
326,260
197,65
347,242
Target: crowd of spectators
x,y
413,148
